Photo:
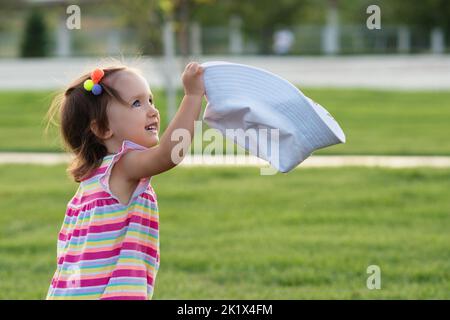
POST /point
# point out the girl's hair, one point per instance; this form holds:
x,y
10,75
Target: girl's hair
x,y
76,109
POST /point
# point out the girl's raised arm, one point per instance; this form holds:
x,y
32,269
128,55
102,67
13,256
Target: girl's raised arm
x,y
139,164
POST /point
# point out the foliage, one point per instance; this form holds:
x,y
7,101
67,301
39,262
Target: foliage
x,y
35,41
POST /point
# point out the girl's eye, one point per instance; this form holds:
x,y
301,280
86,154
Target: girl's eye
x,y
136,103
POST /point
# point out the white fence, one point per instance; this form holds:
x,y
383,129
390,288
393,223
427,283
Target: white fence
x,y
306,40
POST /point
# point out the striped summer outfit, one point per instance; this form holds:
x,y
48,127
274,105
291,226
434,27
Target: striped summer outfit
x,y
105,249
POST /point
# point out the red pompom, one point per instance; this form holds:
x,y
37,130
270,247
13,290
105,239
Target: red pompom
x,y
97,75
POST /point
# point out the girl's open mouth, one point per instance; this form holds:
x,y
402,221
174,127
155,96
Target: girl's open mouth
x,y
152,128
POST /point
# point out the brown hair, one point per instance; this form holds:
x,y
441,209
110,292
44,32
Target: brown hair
x,y
76,109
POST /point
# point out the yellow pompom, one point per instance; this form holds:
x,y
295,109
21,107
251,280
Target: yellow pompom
x,y
88,84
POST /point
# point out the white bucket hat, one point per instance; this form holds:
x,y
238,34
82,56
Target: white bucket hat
x,y
242,100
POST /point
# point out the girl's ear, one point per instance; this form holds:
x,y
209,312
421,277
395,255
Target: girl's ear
x,y
102,135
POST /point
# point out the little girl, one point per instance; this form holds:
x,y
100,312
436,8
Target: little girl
x,y
108,246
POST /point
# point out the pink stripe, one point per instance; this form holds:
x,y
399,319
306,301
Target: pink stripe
x,y
104,280
139,247
96,172
148,196
93,196
114,226
125,298
93,204
129,273
71,212
90,256
149,280
108,253
81,283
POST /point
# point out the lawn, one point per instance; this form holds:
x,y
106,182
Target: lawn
x,y
375,122
230,233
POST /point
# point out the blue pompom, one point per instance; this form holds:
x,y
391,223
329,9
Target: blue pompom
x,y
97,89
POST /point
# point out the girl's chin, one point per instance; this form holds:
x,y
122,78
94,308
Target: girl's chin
x,y
153,141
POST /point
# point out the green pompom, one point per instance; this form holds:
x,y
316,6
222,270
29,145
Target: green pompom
x,y
88,84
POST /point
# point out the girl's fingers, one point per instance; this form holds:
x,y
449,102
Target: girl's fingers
x,y
194,68
194,65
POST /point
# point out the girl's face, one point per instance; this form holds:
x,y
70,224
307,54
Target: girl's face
x,y
138,120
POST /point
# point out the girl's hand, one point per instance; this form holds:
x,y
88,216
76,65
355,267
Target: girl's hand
x,y
192,78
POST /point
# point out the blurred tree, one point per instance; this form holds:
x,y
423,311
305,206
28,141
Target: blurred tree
x,y
211,12
426,13
181,13
264,16
261,18
145,17
7,7
35,41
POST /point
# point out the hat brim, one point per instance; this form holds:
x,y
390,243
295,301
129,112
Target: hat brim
x,y
241,96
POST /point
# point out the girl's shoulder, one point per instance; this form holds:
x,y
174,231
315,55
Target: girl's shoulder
x,y
97,184
109,161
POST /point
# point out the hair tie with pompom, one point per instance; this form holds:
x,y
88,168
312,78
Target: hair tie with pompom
x,y
93,84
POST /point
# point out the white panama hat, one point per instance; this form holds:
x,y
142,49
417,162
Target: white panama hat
x,y
249,98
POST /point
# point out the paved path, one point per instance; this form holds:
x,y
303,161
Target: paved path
x,y
404,72
241,160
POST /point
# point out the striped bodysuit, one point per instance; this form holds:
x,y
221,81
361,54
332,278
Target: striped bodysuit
x,y
105,249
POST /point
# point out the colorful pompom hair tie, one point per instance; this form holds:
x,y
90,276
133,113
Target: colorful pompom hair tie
x,y
93,84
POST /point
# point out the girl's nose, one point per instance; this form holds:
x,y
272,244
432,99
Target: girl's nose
x,y
153,112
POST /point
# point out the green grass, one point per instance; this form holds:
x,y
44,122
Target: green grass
x,y
231,233
375,122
